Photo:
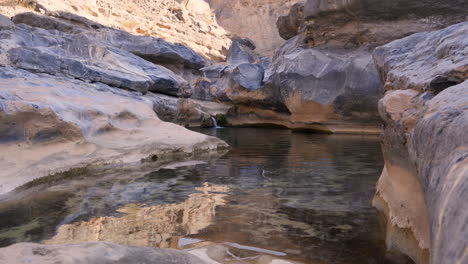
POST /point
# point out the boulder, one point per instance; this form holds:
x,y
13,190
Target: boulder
x,y
186,111
6,23
423,186
93,253
288,25
325,86
238,83
241,51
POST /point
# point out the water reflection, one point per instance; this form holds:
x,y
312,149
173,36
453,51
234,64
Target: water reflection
x,y
305,196
151,226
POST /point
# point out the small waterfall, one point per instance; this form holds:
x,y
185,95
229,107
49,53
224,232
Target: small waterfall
x,y
215,123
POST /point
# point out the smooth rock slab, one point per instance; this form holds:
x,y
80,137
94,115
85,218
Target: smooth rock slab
x,y
92,253
50,124
152,49
108,56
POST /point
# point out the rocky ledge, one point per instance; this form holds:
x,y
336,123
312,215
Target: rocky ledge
x,y
423,188
72,93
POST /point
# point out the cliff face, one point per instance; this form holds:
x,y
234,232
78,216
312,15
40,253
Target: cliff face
x,y
368,23
424,183
253,19
189,22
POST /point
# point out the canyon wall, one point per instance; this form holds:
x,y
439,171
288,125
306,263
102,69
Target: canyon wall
x,y
425,109
189,22
253,19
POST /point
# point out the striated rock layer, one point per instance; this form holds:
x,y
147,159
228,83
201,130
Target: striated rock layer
x,y
72,94
355,23
189,22
423,187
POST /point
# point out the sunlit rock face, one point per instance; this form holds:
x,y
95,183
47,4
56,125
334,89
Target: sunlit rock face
x,y
152,226
424,182
189,22
253,19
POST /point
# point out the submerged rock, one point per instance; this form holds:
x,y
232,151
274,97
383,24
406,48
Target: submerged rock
x,y
423,187
93,253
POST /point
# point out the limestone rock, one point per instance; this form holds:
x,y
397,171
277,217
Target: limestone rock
x,y
324,86
189,22
51,123
241,51
91,56
253,19
369,23
186,111
288,25
424,182
93,253
152,49
428,61
5,23
238,84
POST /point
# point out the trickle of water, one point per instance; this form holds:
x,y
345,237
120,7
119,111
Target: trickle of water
x,y
215,123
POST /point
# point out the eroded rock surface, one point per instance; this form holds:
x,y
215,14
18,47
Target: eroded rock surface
x,y
253,19
54,123
319,86
189,22
425,109
352,24
93,253
299,88
101,55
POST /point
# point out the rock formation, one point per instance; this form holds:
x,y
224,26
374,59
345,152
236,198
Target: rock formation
x,y
85,82
189,22
84,89
299,88
355,23
253,19
423,185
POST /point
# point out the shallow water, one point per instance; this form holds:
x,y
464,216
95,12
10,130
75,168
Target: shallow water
x,y
275,195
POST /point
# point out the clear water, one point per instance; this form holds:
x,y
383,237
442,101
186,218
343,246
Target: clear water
x,y
293,196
